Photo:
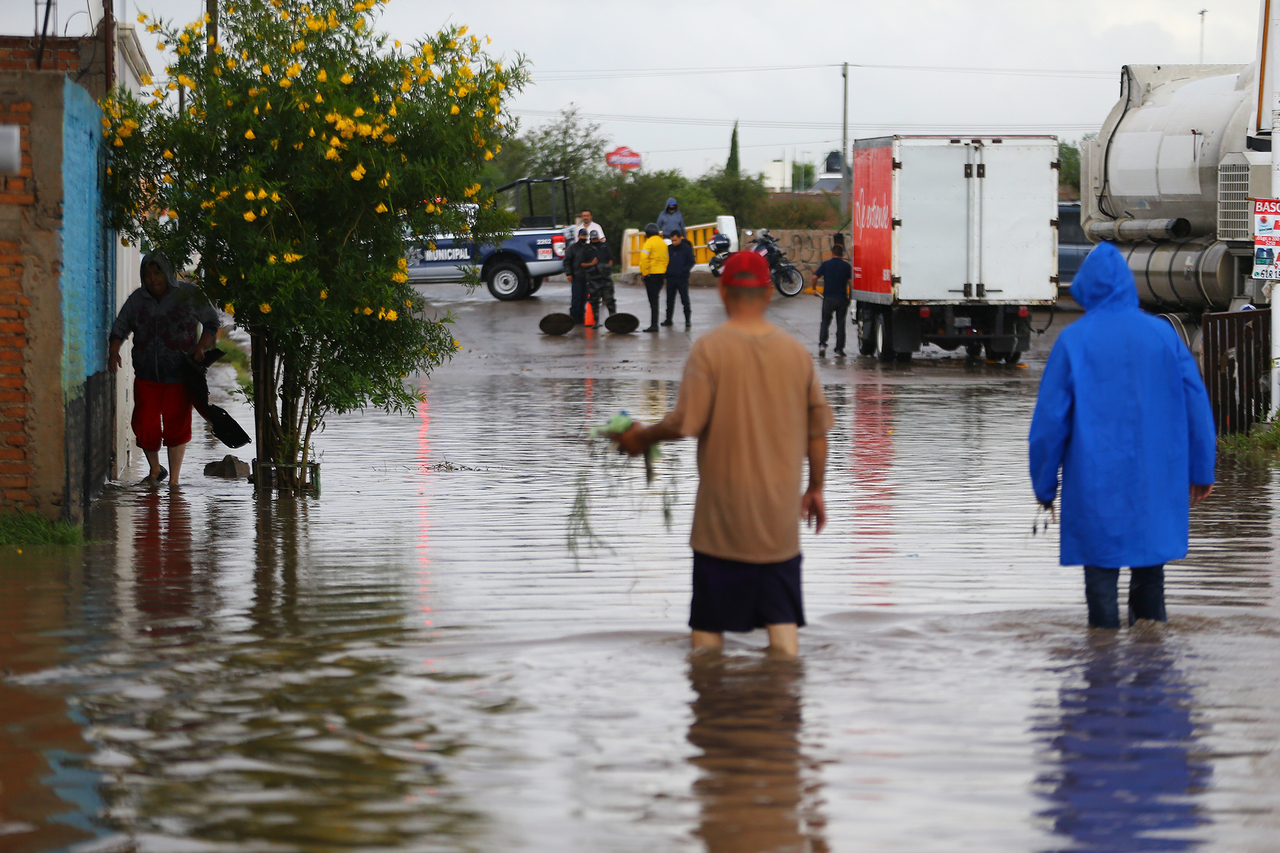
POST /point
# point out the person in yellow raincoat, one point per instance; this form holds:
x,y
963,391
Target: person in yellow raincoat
x,y
653,269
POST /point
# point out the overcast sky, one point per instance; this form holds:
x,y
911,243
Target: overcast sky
x,y
641,70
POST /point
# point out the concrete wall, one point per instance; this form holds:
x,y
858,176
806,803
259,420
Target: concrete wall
x,y
55,400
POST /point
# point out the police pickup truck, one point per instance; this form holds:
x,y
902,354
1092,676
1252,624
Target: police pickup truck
x,y
516,267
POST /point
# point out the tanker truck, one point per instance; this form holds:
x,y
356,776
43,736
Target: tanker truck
x,y
1170,180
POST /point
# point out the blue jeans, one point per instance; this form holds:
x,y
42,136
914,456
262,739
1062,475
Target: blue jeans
x,y
1146,595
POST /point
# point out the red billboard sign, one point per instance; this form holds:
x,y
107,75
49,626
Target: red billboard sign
x,y
623,158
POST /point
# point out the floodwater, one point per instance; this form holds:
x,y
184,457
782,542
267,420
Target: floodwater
x,y
417,661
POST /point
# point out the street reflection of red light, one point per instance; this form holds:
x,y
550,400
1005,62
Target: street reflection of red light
x,y
871,462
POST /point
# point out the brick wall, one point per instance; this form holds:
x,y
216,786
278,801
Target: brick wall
x,y
15,194
18,53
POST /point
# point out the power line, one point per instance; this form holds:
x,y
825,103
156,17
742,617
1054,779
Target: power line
x,y
616,74
810,125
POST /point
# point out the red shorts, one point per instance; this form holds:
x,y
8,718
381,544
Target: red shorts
x,y
161,410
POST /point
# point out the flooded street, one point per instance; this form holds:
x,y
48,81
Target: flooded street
x,y
418,661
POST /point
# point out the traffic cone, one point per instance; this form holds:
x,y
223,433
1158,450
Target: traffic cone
x,y
590,318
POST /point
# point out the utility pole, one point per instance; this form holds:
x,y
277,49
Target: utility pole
x,y
1202,11
109,39
844,147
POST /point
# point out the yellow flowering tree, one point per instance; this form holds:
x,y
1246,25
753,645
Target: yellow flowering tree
x,y
287,158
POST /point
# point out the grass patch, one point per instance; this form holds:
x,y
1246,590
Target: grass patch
x,y
237,358
29,528
1261,442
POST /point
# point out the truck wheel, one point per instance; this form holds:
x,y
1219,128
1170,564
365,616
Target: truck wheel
x,y
1013,357
973,351
866,335
534,285
883,337
507,282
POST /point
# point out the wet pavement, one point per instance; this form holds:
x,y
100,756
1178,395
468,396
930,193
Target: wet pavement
x,y
417,661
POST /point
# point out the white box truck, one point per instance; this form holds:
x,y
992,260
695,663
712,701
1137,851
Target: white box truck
x,y
954,242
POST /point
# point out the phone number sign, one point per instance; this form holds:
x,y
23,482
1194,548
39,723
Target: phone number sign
x,y
1266,238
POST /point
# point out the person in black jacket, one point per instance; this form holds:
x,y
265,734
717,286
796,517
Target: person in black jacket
x,y
573,257
598,265
679,265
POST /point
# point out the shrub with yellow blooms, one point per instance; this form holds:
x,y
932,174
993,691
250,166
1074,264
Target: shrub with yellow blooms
x,y
258,181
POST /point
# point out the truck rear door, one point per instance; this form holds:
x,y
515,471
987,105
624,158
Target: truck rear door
x,y
1019,201
931,200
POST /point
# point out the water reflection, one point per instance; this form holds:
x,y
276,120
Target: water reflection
x,y
162,559
753,791
1126,776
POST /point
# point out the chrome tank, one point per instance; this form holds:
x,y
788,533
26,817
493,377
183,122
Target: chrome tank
x,y
1181,276
1157,153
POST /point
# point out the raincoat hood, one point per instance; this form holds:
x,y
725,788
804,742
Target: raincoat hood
x,y
671,202
162,262
1104,281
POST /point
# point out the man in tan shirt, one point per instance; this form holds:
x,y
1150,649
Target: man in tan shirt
x,y
751,396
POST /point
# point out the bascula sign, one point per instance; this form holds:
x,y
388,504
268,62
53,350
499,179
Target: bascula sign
x,y
623,158
1266,238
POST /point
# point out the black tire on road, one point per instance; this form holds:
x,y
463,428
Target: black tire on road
x,y
507,282
867,335
882,337
973,350
534,285
1013,357
788,280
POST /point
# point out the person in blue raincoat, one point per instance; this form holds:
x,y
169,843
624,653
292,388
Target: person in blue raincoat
x,y
1123,413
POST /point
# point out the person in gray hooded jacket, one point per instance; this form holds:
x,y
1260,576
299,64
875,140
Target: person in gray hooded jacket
x,y
167,319
670,219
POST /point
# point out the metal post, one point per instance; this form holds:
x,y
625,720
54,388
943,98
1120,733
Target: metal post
x,y
109,40
1273,100
844,147
1202,11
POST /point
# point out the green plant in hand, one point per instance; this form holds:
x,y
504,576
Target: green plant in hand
x,y
306,149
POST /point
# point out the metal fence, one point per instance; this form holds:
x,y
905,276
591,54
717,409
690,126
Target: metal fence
x,y
1237,353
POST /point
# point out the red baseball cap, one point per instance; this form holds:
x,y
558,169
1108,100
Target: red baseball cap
x,y
746,269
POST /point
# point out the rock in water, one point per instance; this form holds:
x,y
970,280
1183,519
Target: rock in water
x,y
229,467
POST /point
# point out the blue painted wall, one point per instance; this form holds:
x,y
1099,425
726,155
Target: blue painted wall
x,y
87,297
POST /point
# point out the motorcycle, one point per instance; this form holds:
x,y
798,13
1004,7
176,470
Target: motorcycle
x,y
786,278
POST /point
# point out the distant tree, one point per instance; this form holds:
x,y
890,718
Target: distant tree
x,y
1069,158
619,201
805,213
569,146
802,176
741,196
731,167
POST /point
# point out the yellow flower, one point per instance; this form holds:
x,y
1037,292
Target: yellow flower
x,y
319,98
399,277
285,82
264,308
290,257
403,264
275,197
249,216
488,155
266,68
388,138
118,142
312,133
392,315
368,311
392,111
271,259
324,294
248,134
358,172
346,78
322,76
332,154
168,155
453,110
358,112
262,193
222,279
230,309
381,208
248,194
167,179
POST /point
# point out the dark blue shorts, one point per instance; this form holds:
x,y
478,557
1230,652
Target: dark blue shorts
x,y
729,595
